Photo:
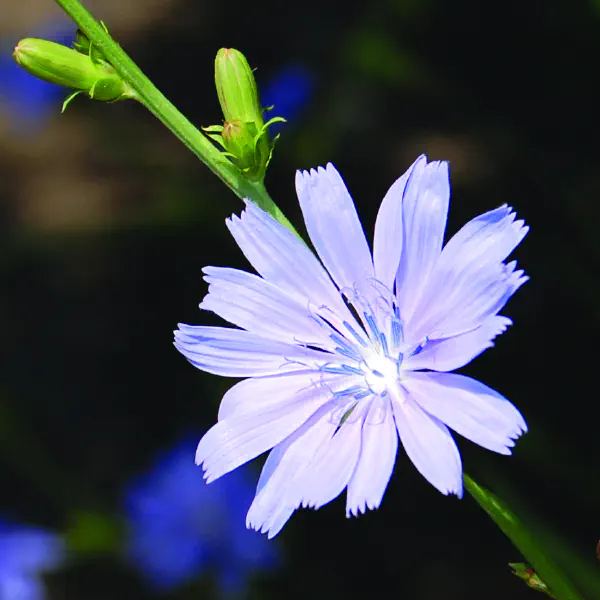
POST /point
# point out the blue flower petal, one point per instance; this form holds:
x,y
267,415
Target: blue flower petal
x,y
260,393
425,210
283,259
378,450
429,446
470,408
455,352
470,276
278,494
238,353
388,239
259,306
335,229
333,465
238,439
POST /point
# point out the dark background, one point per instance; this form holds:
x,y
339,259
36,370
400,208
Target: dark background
x,y
106,222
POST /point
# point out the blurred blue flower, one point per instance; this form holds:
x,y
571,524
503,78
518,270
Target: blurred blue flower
x,y
289,90
26,100
24,553
180,527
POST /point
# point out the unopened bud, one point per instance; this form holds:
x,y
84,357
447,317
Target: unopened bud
x,y
244,135
65,66
236,88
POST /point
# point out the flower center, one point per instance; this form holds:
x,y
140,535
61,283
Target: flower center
x,y
381,373
370,351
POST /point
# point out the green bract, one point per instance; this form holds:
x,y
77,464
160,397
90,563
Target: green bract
x,y
84,72
244,135
530,577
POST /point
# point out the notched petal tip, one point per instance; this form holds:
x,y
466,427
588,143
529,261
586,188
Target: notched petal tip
x,y
263,528
199,460
306,177
438,170
299,178
179,335
232,224
520,425
454,488
439,165
357,510
234,219
332,171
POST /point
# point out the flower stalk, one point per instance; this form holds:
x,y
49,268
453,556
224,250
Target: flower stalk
x,y
157,103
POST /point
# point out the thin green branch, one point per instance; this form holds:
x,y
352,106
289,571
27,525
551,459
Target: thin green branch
x,y
165,111
523,540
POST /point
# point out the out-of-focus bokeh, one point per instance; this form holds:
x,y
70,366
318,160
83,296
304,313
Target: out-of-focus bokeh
x,y
106,221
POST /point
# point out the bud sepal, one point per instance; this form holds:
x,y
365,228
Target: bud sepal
x,y
531,578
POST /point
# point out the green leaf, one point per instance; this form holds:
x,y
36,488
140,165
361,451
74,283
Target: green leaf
x,y
560,587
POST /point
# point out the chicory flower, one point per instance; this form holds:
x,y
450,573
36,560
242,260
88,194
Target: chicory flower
x,y
347,354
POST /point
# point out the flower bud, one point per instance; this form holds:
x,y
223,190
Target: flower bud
x,y
244,135
64,66
236,88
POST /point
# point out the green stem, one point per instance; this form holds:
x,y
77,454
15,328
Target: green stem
x,y
523,540
165,111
